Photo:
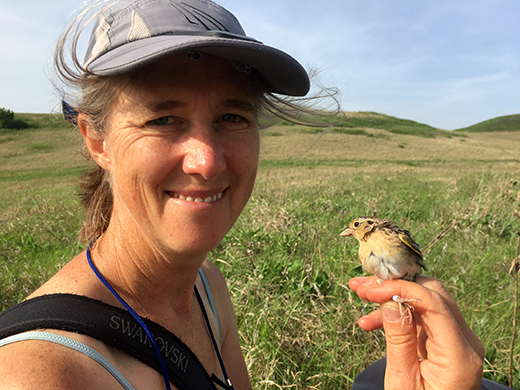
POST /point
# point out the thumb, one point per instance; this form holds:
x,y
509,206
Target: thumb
x,y
402,365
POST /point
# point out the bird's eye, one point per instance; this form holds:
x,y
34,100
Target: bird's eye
x,y
356,224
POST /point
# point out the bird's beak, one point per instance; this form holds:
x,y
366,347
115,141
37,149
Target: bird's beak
x,y
347,232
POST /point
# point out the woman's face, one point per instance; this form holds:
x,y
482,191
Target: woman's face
x,y
183,153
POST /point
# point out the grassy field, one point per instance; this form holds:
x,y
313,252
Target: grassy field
x,y
287,267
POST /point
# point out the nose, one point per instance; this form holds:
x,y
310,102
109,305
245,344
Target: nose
x,y
203,156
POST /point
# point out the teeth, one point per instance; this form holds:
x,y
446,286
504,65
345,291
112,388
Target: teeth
x,y
208,199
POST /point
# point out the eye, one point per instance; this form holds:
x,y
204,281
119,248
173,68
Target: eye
x,y
162,121
232,122
232,118
356,224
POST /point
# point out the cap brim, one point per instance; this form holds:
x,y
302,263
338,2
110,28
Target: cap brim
x,y
279,72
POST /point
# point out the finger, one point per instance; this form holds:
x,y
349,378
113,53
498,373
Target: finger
x,y
401,349
449,358
356,282
422,353
436,285
429,305
371,321
374,321
360,285
446,344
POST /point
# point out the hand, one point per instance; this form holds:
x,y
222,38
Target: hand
x,y
439,350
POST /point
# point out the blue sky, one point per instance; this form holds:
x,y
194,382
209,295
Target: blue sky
x,y
447,63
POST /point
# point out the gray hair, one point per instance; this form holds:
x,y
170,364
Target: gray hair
x,y
93,96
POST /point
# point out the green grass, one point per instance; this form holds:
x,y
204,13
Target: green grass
x,y
357,123
296,267
272,134
287,267
343,130
36,122
39,173
500,124
40,147
38,230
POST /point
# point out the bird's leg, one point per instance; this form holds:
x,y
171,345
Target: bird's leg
x,y
405,308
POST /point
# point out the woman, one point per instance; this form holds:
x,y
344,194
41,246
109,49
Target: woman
x,y
170,96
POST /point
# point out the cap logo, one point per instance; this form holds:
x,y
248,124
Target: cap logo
x,y
199,17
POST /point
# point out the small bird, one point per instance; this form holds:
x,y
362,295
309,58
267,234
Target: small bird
x,y
388,252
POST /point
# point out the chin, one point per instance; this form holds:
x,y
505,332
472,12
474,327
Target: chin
x,y
197,247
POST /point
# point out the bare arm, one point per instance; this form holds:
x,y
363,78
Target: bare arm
x,y
46,366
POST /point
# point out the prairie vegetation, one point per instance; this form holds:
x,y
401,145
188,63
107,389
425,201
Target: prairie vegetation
x,y
287,267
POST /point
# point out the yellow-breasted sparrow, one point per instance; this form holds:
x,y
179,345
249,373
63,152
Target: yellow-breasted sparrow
x,y
388,252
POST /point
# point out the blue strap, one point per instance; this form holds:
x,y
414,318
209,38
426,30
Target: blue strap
x,y
73,344
135,315
211,302
226,384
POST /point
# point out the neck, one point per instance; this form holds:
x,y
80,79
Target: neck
x,y
154,282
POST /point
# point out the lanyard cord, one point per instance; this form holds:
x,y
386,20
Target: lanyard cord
x,y
215,346
135,315
225,385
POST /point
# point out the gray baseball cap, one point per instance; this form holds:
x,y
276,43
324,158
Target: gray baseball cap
x,y
131,33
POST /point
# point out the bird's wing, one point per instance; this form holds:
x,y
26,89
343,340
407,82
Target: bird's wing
x,y
406,239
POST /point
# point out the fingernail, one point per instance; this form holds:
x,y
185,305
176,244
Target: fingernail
x,y
391,314
367,282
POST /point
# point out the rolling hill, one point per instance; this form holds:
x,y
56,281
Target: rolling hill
x,y
501,123
357,123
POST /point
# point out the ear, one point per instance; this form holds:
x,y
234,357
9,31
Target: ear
x,y
95,141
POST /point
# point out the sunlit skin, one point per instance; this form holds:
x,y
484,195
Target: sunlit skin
x,y
440,337
182,151
180,136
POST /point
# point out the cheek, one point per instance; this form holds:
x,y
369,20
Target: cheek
x,y
140,164
245,158
247,168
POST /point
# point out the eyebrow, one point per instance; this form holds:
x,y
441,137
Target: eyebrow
x,y
238,104
163,105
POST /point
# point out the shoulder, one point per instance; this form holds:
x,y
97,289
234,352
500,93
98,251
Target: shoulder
x,y
219,291
216,280
231,350
35,364
75,277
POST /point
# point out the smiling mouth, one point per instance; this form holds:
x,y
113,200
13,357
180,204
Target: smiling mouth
x,y
197,199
